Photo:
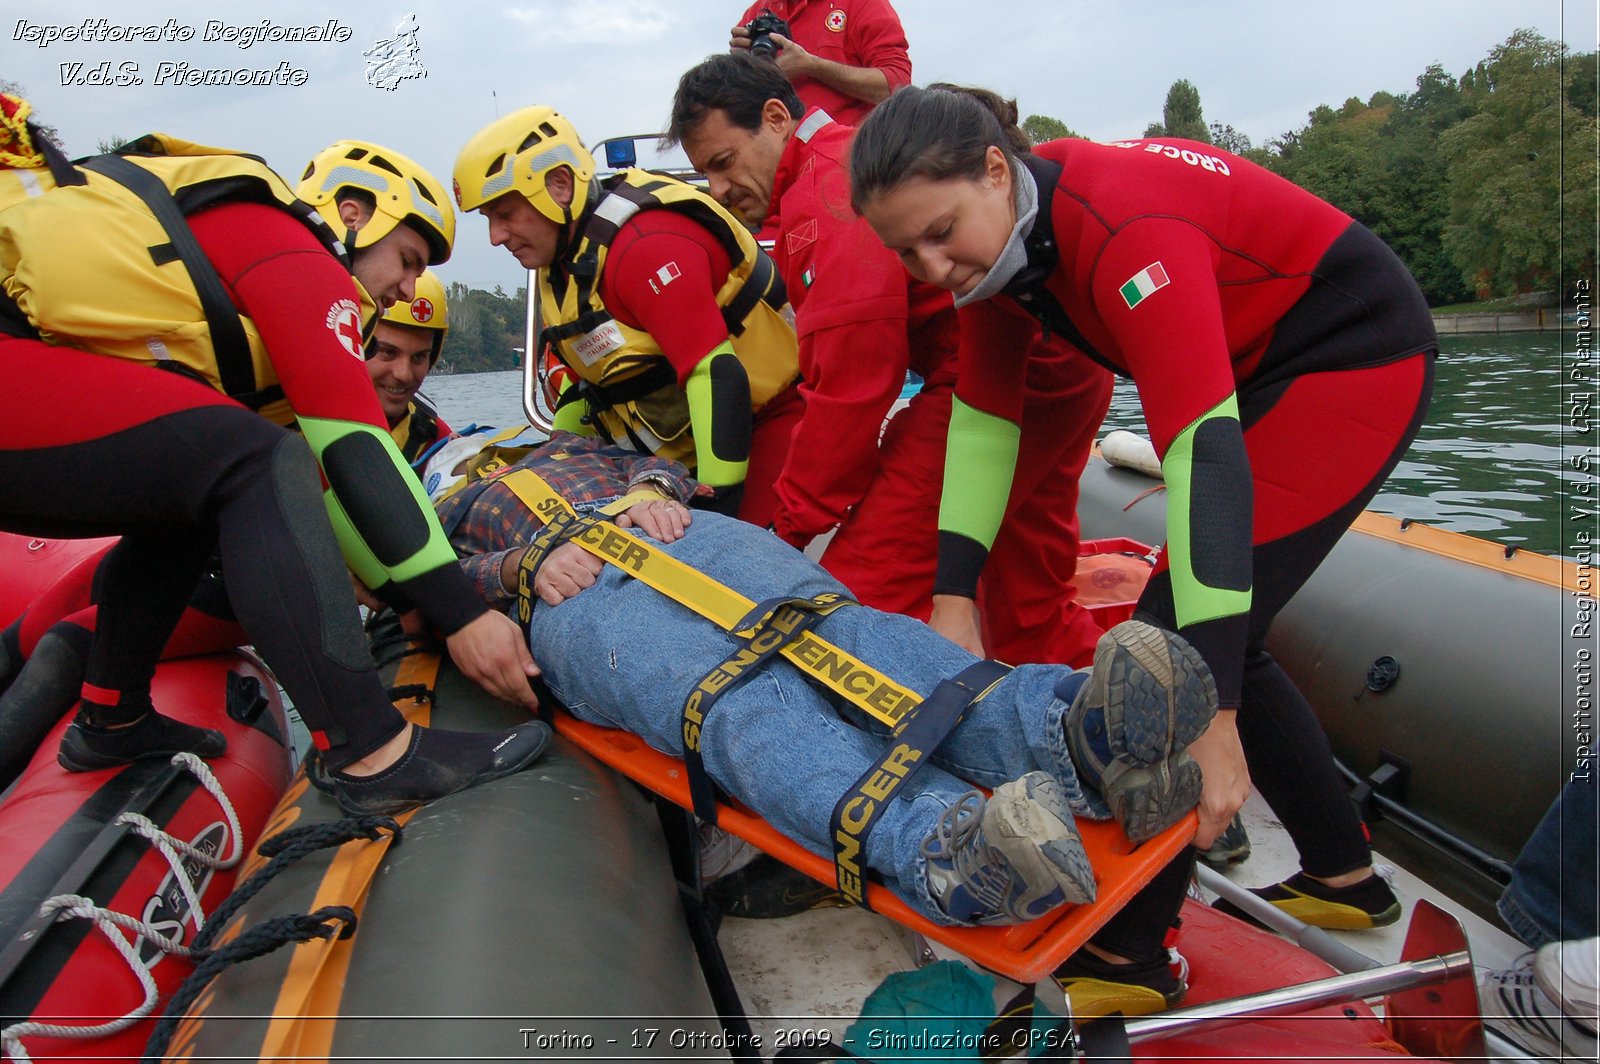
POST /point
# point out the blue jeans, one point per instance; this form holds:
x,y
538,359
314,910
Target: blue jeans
x,y
625,656
1551,896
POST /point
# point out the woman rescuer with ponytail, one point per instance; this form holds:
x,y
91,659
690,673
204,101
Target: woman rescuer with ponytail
x,y
1284,360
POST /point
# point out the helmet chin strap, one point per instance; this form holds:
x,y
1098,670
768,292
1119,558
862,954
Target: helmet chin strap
x,y
566,235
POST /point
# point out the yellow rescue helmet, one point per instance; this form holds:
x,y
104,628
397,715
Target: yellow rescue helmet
x,y
404,192
513,154
428,309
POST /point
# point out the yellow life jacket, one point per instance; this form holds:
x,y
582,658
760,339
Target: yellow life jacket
x,y
631,389
105,262
417,431
19,185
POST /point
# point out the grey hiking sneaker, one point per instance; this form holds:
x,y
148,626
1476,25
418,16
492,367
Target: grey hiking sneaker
x,y
1149,697
1009,859
1231,847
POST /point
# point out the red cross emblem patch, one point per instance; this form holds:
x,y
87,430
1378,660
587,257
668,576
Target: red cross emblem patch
x,y
344,321
422,309
835,21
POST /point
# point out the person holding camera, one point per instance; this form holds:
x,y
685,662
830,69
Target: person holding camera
x,y
842,55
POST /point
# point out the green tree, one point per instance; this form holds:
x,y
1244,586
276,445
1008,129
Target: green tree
x,y
1338,156
1419,200
1041,128
484,327
1181,116
1521,171
1584,72
1229,139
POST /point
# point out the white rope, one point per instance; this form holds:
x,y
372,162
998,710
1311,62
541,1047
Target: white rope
x,y
73,906
170,846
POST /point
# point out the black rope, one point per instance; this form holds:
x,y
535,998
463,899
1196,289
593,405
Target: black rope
x,y
419,692
284,850
258,941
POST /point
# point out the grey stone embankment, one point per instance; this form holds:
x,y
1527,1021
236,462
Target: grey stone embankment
x,y
1540,320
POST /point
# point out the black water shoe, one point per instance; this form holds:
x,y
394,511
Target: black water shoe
x,y
438,763
1358,907
86,747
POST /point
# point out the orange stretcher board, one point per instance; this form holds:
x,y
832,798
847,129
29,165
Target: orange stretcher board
x,y
1024,952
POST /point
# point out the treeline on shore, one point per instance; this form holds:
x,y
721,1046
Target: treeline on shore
x,y
486,329
1484,184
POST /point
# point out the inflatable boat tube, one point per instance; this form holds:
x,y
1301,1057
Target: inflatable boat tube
x,y
1447,656
29,564
66,836
533,916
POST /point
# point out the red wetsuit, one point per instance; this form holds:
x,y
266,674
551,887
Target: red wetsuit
x,y
862,323
686,322
180,470
858,33
1218,286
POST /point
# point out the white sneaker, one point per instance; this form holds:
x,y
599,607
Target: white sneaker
x,y
1568,972
722,853
1515,1007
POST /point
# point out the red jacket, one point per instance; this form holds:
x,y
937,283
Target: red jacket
x,y
862,322
858,33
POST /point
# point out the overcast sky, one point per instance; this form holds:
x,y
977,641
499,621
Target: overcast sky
x,y
611,65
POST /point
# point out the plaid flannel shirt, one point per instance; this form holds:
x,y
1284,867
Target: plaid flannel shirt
x,y
588,473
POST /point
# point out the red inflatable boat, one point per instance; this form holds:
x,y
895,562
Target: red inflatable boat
x,y
105,876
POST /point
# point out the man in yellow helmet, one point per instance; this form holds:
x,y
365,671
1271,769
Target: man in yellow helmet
x,y
403,350
673,319
207,264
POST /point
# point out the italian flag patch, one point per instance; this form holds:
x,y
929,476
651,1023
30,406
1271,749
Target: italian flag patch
x,y
1143,284
808,276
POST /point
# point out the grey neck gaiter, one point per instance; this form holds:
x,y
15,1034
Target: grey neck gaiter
x,y
1014,256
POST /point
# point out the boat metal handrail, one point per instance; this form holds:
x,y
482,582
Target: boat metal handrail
x,y
1374,982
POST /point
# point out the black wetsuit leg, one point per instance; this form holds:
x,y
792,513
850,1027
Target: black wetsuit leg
x,y
104,446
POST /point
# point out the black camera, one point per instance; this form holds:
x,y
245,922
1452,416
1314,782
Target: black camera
x,y
761,28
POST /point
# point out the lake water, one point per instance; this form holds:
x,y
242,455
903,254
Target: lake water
x,y
1488,461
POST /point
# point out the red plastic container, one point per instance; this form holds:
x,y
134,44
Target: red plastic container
x,y
1111,575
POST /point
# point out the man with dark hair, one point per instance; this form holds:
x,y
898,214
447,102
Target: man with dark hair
x,y
843,56
862,324
404,348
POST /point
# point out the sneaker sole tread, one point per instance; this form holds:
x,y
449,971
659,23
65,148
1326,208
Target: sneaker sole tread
x,y
1157,697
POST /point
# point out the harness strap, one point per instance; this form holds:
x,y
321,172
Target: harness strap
x,y
771,625
558,529
857,813
13,322
229,344
863,686
764,285
622,201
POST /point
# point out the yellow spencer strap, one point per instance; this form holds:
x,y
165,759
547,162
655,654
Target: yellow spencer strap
x,y
865,687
